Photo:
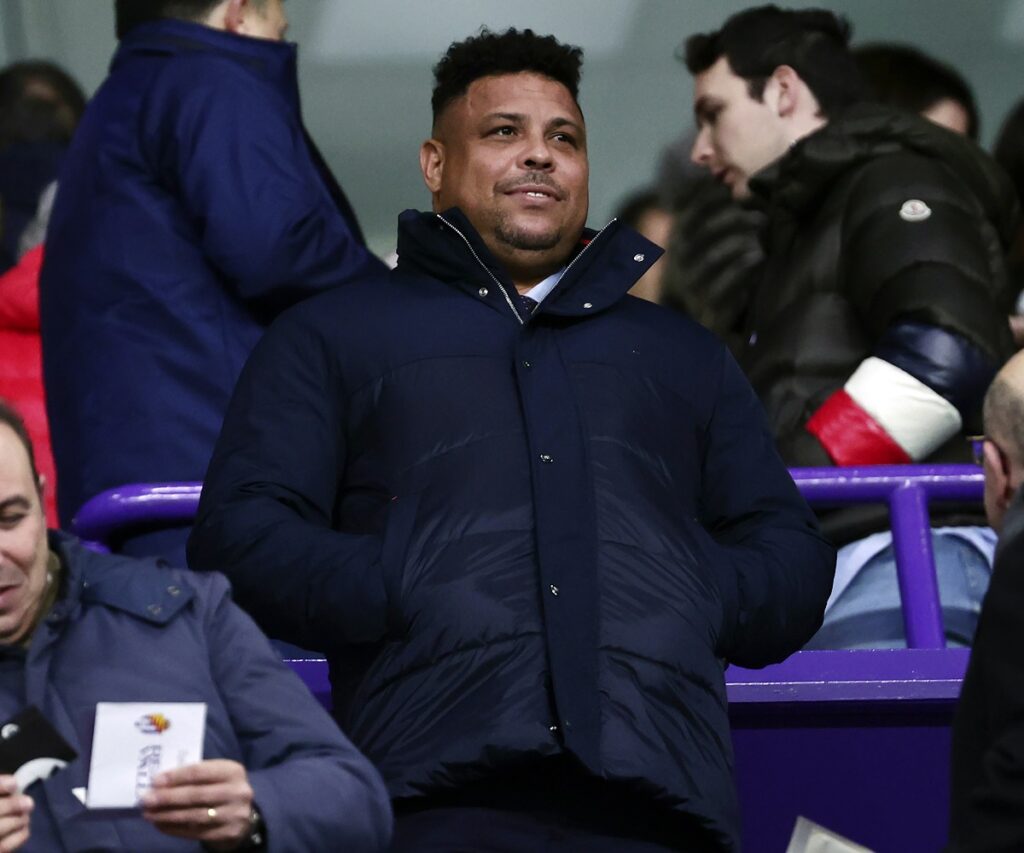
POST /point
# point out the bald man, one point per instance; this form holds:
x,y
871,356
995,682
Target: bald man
x,y
987,801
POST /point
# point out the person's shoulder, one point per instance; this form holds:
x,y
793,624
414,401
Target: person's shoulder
x,y
145,588
669,325
355,299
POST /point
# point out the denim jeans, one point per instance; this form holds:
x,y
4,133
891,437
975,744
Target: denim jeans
x,y
867,614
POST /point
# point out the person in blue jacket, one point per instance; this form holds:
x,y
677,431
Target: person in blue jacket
x,y
77,628
528,518
192,208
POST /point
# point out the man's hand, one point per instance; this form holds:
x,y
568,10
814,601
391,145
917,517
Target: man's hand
x,y
208,802
15,809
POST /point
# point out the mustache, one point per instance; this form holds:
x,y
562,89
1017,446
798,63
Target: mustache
x,y
532,179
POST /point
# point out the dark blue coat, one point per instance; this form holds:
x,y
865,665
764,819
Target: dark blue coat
x,y
192,208
515,538
127,631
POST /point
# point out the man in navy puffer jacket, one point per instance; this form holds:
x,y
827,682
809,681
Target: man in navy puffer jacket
x,y
193,208
527,536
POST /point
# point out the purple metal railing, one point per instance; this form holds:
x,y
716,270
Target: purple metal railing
x,y
841,737
805,676
907,489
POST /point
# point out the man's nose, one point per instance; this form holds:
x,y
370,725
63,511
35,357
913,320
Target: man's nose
x,y
702,150
537,153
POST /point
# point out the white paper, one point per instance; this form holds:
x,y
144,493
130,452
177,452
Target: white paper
x,y
132,742
809,837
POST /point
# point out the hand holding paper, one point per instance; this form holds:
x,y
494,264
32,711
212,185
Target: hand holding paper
x,y
15,810
209,802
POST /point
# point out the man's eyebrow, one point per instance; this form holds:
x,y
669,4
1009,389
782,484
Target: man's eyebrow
x,y
703,106
515,118
16,502
566,122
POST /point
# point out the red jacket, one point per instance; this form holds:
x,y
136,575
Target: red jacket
x,y
21,363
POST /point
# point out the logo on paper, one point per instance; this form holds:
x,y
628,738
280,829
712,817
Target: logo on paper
x,y
152,724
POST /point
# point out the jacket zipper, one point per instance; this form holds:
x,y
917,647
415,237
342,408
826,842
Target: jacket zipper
x,y
490,275
497,283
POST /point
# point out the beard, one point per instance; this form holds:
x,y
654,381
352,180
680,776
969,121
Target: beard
x,y
525,239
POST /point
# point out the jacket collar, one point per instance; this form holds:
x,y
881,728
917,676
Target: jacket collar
x,y
121,583
604,266
275,61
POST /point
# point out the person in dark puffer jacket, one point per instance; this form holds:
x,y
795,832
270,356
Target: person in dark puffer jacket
x,y
881,315
527,537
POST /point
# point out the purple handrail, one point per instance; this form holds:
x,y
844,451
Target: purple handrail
x,y
907,489
926,673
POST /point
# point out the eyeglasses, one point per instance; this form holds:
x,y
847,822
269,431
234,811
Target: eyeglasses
x,y
977,445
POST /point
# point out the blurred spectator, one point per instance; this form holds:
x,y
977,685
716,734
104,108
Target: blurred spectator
x,y
714,255
877,324
40,105
193,208
21,365
905,77
987,784
77,628
646,213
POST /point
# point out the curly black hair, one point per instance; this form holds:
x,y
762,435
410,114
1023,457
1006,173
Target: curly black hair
x,y
814,42
510,52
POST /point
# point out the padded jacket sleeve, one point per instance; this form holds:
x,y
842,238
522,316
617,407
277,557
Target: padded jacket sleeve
x,y
265,514
776,566
236,156
315,790
918,267
918,246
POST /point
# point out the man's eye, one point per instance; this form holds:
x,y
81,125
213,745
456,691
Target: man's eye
x,y
11,519
504,130
567,138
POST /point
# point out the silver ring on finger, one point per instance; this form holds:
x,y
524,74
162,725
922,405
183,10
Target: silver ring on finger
x,y
211,814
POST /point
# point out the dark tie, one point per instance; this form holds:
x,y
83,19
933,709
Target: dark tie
x,y
528,305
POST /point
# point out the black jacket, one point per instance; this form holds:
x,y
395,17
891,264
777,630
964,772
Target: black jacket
x,y
847,274
987,799
513,539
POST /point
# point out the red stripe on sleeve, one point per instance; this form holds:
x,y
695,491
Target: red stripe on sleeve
x,y
851,436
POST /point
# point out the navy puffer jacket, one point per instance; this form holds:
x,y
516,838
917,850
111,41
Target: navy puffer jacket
x,y
515,536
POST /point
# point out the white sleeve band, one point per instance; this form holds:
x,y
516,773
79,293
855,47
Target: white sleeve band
x,y
917,418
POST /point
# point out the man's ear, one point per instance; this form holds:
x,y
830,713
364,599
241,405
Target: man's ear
x,y
784,90
234,15
432,164
998,472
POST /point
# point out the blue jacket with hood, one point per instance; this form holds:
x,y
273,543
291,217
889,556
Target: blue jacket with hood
x,y
126,630
192,208
515,536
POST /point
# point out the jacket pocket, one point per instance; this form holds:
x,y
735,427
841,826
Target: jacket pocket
x,y
401,522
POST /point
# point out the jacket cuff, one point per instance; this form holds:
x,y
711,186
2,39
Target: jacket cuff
x,y
851,436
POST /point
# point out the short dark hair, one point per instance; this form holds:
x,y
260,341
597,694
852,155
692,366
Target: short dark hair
x,y
813,42
511,52
908,78
131,13
12,419
39,102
